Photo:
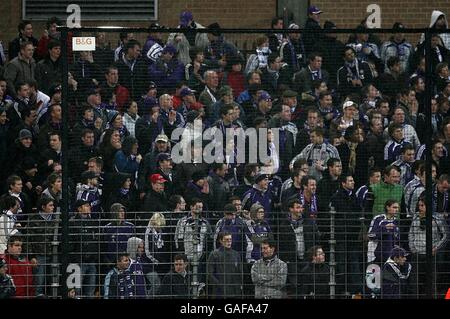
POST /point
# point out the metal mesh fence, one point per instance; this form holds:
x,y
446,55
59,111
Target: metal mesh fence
x,y
193,255
324,155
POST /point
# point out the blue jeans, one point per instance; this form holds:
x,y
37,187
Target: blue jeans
x,y
153,284
88,273
41,274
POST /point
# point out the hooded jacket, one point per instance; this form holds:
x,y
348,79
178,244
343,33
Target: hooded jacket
x,y
444,36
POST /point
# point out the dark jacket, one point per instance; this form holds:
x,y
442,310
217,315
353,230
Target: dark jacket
x,y
326,187
314,280
48,73
146,168
84,72
219,191
84,240
135,81
115,237
18,153
7,287
176,286
158,248
347,219
225,273
344,84
126,284
194,191
153,202
331,50
395,280
310,36
287,249
41,233
78,159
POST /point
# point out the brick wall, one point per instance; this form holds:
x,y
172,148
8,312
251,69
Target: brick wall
x,y
255,13
412,13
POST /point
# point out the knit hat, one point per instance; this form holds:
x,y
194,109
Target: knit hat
x,y
24,133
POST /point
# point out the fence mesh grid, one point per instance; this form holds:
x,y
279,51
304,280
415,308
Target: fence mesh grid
x,y
329,201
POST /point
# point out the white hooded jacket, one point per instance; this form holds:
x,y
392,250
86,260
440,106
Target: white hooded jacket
x,y
444,36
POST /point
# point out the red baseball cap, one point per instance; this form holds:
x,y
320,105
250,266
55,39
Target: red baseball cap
x,y
157,178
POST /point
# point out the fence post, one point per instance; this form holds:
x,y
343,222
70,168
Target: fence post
x,y
195,283
65,166
332,243
429,181
55,259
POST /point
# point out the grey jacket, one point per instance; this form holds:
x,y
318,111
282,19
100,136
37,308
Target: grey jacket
x,y
269,278
19,70
417,235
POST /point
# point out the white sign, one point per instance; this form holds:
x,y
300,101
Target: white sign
x,y
83,43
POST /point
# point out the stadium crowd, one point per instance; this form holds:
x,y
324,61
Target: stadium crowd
x,y
351,128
